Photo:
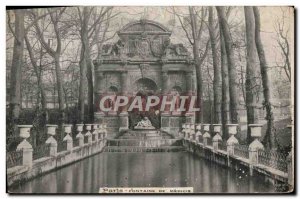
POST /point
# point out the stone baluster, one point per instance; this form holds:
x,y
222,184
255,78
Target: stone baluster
x,y
80,136
232,141
255,146
88,134
25,146
68,138
198,132
96,131
51,131
206,134
217,137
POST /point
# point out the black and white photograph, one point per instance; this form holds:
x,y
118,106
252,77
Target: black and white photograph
x,y
150,100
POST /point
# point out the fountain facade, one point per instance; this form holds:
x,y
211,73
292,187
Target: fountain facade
x,y
143,62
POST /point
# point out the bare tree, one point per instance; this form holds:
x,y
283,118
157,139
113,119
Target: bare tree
x,y
283,42
38,71
269,138
88,28
197,30
230,63
55,18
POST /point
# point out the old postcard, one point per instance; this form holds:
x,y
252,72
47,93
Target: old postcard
x,y
150,100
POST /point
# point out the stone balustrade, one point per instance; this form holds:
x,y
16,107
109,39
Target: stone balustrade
x,y
53,159
206,143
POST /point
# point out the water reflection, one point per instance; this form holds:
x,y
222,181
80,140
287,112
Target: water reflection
x,y
144,170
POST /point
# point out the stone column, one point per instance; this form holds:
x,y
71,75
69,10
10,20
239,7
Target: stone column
x,y
51,131
182,134
206,134
190,116
79,136
123,116
217,137
104,131
189,82
232,130
68,138
198,132
25,146
290,163
88,134
99,90
255,146
95,132
193,134
165,92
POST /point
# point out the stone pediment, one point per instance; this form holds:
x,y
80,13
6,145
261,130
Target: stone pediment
x,y
138,27
144,39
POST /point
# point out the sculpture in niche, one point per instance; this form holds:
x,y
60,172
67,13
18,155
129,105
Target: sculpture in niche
x,y
114,49
174,50
145,123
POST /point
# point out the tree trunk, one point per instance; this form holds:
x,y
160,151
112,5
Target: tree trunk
x,y
90,87
60,91
231,65
250,70
217,74
16,68
269,138
225,90
82,84
85,67
199,117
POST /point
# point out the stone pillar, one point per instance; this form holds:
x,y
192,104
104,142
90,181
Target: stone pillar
x,y
99,90
68,138
206,134
79,136
88,134
100,130
95,132
165,92
198,132
217,137
232,131
193,133
255,146
51,131
25,146
104,131
182,134
187,131
290,163
189,82
190,116
123,117
290,169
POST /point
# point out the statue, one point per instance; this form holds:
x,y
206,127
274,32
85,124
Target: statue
x,y
145,123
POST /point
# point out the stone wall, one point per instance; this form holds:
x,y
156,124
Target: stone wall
x,y
19,174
